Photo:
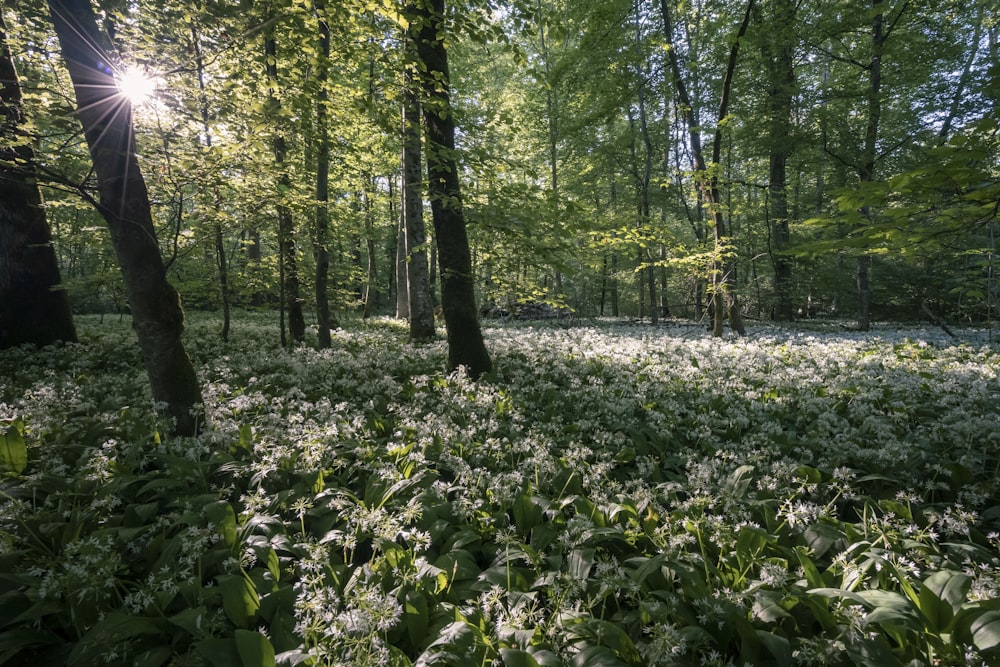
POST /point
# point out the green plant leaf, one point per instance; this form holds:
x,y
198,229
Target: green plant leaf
x,y
13,449
239,598
941,596
219,652
514,657
223,517
254,648
986,630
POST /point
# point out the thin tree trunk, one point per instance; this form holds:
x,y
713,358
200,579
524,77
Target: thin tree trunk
x,y
324,320
33,308
420,305
292,300
371,286
220,246
402,283
458,300
724,269
647,172
124,203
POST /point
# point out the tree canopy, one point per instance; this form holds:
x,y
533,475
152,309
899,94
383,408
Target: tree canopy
x,y
615,158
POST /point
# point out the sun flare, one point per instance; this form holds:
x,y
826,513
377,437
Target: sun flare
x,y
136,85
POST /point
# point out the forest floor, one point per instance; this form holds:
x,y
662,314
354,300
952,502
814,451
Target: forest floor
x,y
612,494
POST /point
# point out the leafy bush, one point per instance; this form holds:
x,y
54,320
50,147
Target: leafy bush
x,y
610,495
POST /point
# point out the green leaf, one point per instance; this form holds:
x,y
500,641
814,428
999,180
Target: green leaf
x,y
254,648
193,620
986,630
416,617
239,598
13,449
219,652
222,515
597,656
514,657
941,596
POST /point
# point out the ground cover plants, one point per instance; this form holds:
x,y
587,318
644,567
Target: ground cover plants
x,y
611,495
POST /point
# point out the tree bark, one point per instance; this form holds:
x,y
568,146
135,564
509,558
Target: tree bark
x,y
33,309
869,156
778,57
292,299
371,282
420,305
321,250
124,203
220,246
458,300
724,269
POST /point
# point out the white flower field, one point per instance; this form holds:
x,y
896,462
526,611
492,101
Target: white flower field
x,y
611,495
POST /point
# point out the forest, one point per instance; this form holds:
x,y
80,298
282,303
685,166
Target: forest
x,y
511,332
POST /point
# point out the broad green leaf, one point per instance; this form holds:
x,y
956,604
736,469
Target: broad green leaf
x,y
193,620
13,449
598,656
222,515
779,647
219,652
239,598
941,596
986,630
514,657
416,617
254,648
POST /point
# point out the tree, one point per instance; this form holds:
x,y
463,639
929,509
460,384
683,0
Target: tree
x,y
33,309
287,259
778,53
458,300
420,306
106,118
321,247
724,302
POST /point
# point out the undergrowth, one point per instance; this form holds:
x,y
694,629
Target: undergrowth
x,y
611,495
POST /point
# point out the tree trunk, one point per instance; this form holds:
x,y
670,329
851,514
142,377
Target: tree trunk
x,y
724,302
107,124
647,172
292,300
220,246
371,284
402,282
33,309
778,55
321,250
420,305
458,300
866,172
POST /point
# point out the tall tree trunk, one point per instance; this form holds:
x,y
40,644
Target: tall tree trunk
x,y
869,155
371,282
778,55
324,320
647,171
33,309
420,305
402,281
220,246
292,300
551,117
124,203
724,296
458,300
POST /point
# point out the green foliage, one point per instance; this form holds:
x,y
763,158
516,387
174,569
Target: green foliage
x,y
604,498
